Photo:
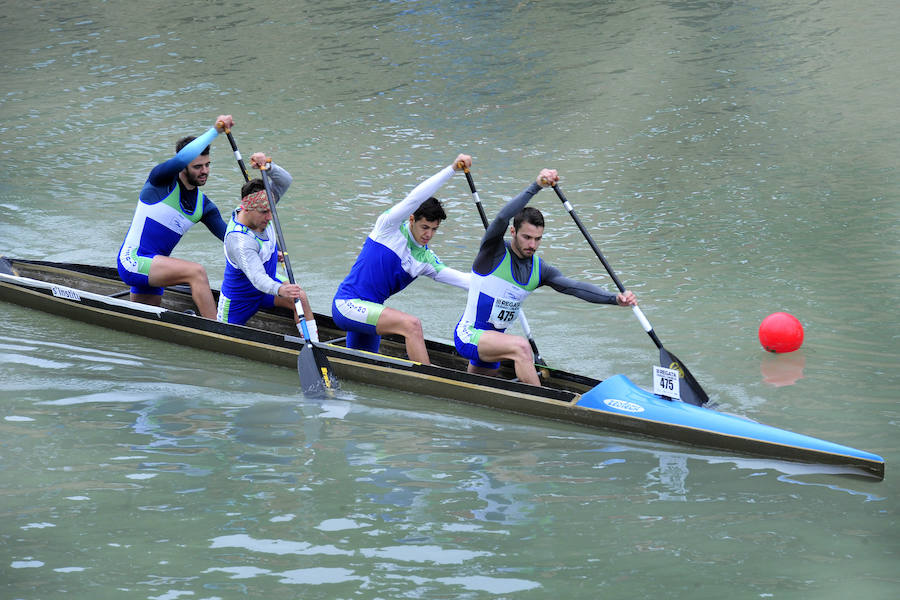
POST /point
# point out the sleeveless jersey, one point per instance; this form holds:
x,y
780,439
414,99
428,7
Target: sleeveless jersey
x,y
495,299
157,228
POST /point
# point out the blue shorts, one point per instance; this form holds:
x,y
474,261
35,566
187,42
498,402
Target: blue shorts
x,y
358,318
465,338
138,275
238,312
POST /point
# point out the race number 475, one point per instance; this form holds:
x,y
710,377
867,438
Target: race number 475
x,y
665,382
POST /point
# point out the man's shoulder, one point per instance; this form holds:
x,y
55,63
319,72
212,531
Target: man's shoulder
x,y
154,192
425,255
546,271
385,226
208,205
238,227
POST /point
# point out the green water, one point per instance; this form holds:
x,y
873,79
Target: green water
x,y
732,159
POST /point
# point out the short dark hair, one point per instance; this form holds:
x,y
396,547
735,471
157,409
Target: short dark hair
x,y
528,215
187,140
430,210
254,185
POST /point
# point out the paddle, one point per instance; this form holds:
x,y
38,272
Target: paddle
x,y
691,392
538,359
312,364
237,154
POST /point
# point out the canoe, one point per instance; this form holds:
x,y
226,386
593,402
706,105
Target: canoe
x,y
94,294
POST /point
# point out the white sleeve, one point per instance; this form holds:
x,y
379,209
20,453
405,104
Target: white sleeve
x,y
392,219
453,277
281,181
242,251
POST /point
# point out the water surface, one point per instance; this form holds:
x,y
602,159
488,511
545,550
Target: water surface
x,y
732,159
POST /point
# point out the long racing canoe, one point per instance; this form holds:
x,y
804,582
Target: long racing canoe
x,y
96,295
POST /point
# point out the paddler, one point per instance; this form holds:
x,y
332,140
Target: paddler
x,y
503,275
251,253
169,204
393,255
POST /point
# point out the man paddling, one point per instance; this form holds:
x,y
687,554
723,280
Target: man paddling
x,y
169,204
503,275
394,254
251,255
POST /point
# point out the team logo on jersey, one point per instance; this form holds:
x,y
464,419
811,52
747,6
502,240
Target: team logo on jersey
x,y
178,225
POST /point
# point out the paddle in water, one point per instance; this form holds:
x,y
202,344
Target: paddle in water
x,y
538,359
691,392
312,365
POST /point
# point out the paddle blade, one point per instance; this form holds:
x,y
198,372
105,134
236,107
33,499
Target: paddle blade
x,y
316,377
691,392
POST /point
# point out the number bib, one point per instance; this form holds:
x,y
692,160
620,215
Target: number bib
x,y
504,312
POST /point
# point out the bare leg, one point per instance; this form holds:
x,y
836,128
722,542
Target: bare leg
x,y
494,346
165,270
410,327
482,370
290,304
151,299
307,310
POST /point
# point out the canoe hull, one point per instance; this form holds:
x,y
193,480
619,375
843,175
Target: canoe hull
x,y
620,399
95,295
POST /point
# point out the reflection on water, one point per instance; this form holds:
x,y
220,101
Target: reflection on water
x,y
339,493
782,369
672,477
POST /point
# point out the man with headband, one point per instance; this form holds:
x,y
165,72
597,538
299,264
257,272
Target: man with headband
x,y
169,204
251,254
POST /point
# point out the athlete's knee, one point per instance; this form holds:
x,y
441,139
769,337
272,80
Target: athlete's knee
x,y
412,326
197,274
521,349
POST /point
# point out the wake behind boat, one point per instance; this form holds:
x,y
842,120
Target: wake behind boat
x,y
95,295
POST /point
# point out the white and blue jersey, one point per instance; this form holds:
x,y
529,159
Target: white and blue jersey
x,y
240,299
496,297
164,213
391,258
389,261
251,280
500,282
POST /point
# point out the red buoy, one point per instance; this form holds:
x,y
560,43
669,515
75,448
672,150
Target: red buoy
x,y
781,332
